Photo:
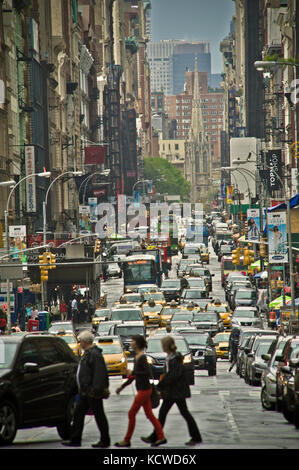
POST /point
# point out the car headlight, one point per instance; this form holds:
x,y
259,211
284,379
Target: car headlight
x,y
123,359
187,359
150,360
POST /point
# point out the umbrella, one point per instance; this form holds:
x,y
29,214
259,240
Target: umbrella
x,y
276,303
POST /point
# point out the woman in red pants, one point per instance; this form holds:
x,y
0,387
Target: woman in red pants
x,y
141,374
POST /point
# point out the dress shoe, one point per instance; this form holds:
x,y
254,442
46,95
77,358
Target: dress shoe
x,y
71,444
100,445
147,440
159,442
123,444
193,442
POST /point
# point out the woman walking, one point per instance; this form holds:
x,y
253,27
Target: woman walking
x,y
141,374
175,389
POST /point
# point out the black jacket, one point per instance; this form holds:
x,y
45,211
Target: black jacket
x,y
174,384
93,375
141,374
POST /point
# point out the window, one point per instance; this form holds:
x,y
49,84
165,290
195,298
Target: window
x,y
30,354
176,146
49,354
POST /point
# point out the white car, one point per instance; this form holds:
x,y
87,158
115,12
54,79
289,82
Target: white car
x,y
114,270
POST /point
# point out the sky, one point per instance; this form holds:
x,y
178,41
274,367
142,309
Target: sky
x,y
194,20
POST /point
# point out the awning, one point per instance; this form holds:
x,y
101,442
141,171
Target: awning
x,y
294,201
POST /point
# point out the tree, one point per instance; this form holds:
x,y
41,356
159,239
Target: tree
x,y
166,178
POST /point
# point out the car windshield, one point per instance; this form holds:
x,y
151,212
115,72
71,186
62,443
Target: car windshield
x,y
200,272
7,354
155,346
101,313
260,341
195,339
57,327
245,294
191,250
112,348
156,308
134,298
202,303
171,284
217,308
192,294
245,314
201,317
182,316
126,315
154,296
221,338
68,339
196,283
103,327
129,330
170,310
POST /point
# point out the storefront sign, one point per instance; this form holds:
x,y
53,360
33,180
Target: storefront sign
x,y
30,182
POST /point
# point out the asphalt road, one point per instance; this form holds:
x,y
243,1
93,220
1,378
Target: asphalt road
x,y
228,411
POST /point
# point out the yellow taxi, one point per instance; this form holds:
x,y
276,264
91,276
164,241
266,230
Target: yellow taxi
x,y
152,313
113,353
71,341
221,341
166,314
223,310
158,297
101,314
205,255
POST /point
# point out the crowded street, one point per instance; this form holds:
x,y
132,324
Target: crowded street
x,y
228,411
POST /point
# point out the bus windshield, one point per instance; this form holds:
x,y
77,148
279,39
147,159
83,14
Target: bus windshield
x,y
140,271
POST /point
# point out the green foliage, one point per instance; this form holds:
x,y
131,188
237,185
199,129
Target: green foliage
x,y
173,181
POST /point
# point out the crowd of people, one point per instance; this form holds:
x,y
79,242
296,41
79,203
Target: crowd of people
x,y
93,386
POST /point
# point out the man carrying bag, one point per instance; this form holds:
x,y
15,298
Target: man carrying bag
x,y
93,385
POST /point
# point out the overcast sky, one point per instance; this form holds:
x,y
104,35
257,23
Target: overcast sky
x,y
202,20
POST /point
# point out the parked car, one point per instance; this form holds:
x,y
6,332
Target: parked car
x,y
38,384
290,352
203,350
268,385
156,357
247,316
254,359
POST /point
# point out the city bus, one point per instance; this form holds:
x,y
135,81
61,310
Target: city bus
x,y
141,268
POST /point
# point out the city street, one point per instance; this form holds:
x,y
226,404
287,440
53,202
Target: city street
x,y
227,410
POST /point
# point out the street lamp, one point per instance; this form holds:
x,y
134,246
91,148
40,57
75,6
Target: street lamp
x,y
44,174
88,178
73,173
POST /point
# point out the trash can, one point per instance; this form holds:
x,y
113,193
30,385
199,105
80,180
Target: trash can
x,y
33,325
42,318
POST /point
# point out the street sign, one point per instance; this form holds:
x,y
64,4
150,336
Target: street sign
x,y
11,272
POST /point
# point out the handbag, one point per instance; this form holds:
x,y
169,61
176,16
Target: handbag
x,y
155,397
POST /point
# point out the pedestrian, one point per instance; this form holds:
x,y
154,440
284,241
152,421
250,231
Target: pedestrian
x,y
34,313
175,389
93,386
75,312
56,311
63,310
22,318
235,348
141,374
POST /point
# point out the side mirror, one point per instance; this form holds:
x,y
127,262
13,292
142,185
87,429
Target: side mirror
x,y
31,368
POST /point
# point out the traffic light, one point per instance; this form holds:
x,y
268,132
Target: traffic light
x,y
97,246
43,261
263,250
51,260
248,257
246,226
236,256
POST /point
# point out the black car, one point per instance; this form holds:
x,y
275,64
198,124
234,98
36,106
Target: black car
x,y
202,349
285,399
126,330
156,357
208,321
173,288
37,384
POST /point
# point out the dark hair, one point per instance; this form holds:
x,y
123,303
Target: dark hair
x,y
140,341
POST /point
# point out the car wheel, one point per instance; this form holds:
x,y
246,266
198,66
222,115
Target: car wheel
x,y
8,423
242,371
289,416
64,428
266,404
